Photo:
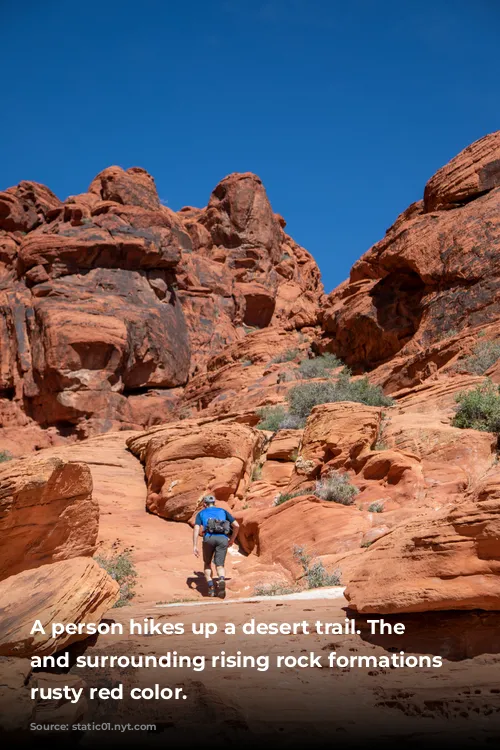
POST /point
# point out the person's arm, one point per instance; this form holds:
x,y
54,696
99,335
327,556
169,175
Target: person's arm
x,y
235,528
196,536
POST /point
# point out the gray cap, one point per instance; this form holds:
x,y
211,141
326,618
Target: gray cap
x,y
209,499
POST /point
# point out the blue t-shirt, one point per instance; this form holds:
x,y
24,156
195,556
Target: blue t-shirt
x,y
213,512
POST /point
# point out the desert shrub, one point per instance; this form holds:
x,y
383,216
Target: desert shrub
x,y
316,575
274,589
121,569
479,408
361,391
302,398
380,443
319,367
336,488
284,496
256,472
286,356
292,422
246,362
276,418
376,508
271,417
286,376
5,456
485,354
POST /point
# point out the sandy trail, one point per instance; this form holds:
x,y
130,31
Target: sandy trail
x,y
161,550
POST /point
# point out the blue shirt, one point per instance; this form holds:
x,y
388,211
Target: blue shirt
x,y
212,512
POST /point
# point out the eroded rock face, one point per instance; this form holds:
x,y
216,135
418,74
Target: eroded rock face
x,y
110,296
435,273
446,559
316,526
47,513
118,314
70,591
340,434
188,460
475,171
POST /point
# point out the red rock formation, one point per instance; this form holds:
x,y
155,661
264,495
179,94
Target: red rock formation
x,y
186,460
118,314
111,296
47,513
70,591
434,273
441,560
475,171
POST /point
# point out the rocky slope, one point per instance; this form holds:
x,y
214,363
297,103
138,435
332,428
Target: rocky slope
x,y
138,347
110,301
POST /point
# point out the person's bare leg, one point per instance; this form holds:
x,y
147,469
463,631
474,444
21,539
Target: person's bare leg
x,y
208,574
220,571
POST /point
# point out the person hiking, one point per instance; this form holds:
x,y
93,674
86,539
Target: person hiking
x,y
220,529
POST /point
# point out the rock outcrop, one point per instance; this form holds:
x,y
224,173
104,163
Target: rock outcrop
x,y
110,300
70,591
187,460
47,513
441,560
123,323
433,275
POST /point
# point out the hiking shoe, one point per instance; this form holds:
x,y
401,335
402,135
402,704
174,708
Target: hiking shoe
x,y
221,589
211,591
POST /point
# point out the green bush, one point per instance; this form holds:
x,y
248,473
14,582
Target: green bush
x,y
316,575
284,496
274,589
336,488
274,418
319,367
485,354
121,569
479,408
376,508
271,417
286,356
246,362
302,398
5,456
256,472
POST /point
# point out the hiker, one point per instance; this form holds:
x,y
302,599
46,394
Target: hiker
x,y
220,529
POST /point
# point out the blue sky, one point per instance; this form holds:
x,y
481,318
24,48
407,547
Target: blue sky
x,y
344,109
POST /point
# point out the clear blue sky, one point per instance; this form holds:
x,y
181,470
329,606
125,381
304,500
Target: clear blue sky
x,y
344,109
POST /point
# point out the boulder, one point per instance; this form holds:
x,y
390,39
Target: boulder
x,y
320,527
134,187
447,559
340,434
47,513
473,172
70,591
188,460
284,445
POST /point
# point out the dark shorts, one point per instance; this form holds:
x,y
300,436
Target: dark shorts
x,y
215,547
